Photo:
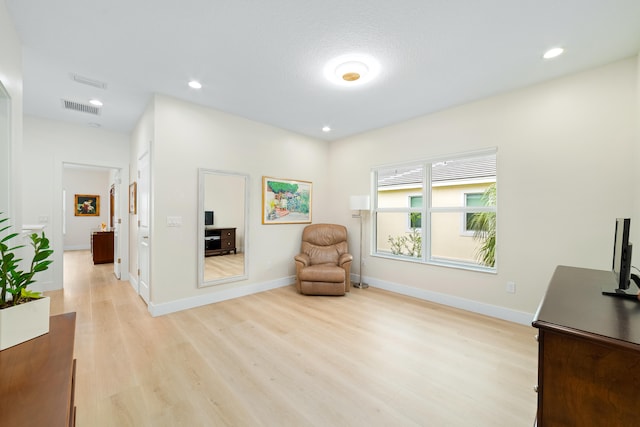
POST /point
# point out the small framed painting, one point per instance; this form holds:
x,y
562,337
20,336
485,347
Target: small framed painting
x,y
133,193
286,201
87,205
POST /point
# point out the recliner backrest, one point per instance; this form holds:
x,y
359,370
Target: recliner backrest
x,y
324,243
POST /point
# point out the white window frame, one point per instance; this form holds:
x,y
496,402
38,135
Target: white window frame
x,y
412,209
427,210
463,218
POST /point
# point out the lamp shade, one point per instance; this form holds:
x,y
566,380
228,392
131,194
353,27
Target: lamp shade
x,y
359,203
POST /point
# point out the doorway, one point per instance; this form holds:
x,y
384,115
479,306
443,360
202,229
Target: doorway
x,y
102,185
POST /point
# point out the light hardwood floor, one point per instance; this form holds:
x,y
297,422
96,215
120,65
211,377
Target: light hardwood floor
x,y
220,266
276,358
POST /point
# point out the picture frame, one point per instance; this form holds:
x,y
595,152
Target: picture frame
x,y
87,205
133,194
286,201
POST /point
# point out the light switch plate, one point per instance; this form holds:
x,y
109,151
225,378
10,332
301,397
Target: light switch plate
x,y
174,221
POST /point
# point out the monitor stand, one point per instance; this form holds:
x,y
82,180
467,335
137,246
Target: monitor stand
x,y
631,293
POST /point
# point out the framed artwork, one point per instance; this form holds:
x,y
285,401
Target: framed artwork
x,y
286,201
87,205
133,193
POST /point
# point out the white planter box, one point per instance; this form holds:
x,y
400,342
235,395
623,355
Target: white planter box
x,y
24,322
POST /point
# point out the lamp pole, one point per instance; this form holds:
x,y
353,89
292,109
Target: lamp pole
x,y
360,203
361,284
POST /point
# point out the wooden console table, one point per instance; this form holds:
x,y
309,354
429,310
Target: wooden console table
x,y
589,352
37,378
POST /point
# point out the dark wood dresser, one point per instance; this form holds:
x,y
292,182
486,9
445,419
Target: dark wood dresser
x,y
102,247
219,241
37,378
589,353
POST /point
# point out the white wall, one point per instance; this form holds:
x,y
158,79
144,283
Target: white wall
x,y
84,181
565,172
562,147
141,142
188,137
635,229
11,78
48,145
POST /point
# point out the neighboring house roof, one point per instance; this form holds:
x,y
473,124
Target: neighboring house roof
x,y
451,170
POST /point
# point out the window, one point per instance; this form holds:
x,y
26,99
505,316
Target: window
x,y
472,200
415,218
449,206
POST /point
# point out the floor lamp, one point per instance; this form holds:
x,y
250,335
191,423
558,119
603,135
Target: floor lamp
x,y
360,203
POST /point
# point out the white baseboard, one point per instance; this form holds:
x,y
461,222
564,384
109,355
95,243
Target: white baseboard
x,y
227,294
449,300
453,301
77,248
133,281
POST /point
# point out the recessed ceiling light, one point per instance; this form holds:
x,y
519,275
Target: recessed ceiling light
x,y
326,129
95,102
352,70
195,84
552,53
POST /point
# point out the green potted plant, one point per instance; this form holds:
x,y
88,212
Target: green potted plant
x,y
24,314
483,225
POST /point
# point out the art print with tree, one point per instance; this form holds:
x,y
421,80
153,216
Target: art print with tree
x,y
286,201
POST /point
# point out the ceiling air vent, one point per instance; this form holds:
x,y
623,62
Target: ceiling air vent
x,y
78,106
87,81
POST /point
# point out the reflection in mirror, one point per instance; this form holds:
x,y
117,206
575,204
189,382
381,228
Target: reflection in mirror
x,y
222,227
5,150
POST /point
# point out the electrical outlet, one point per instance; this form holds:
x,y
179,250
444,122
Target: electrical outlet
x,y
511,287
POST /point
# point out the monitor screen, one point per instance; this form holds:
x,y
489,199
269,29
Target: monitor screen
x,y
208,218
622,253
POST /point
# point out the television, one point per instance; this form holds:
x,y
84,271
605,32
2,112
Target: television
x,y
621,263
208,218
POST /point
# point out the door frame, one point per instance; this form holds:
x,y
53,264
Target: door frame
x,y
57,240
143,241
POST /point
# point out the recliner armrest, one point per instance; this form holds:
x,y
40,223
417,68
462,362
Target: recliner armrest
x,y
303,259
345,258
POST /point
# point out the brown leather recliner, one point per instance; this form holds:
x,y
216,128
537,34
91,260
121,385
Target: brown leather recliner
x,y
323,266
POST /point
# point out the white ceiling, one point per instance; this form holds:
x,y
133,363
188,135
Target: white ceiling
x,y
263,59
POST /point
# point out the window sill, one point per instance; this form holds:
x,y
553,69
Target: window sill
x,y
439,263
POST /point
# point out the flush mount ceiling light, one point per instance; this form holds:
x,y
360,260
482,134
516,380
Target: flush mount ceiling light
x,y
352,70
95,102
193,84
552,53
326,129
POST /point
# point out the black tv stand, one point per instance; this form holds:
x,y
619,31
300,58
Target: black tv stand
x,y
631,294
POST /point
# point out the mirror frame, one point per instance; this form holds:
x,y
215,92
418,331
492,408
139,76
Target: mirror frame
x,y
202,174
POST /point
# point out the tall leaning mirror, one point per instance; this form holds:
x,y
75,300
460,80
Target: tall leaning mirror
x,y
222,226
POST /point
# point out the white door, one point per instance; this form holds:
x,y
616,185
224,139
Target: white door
x,y
144,226
116,223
